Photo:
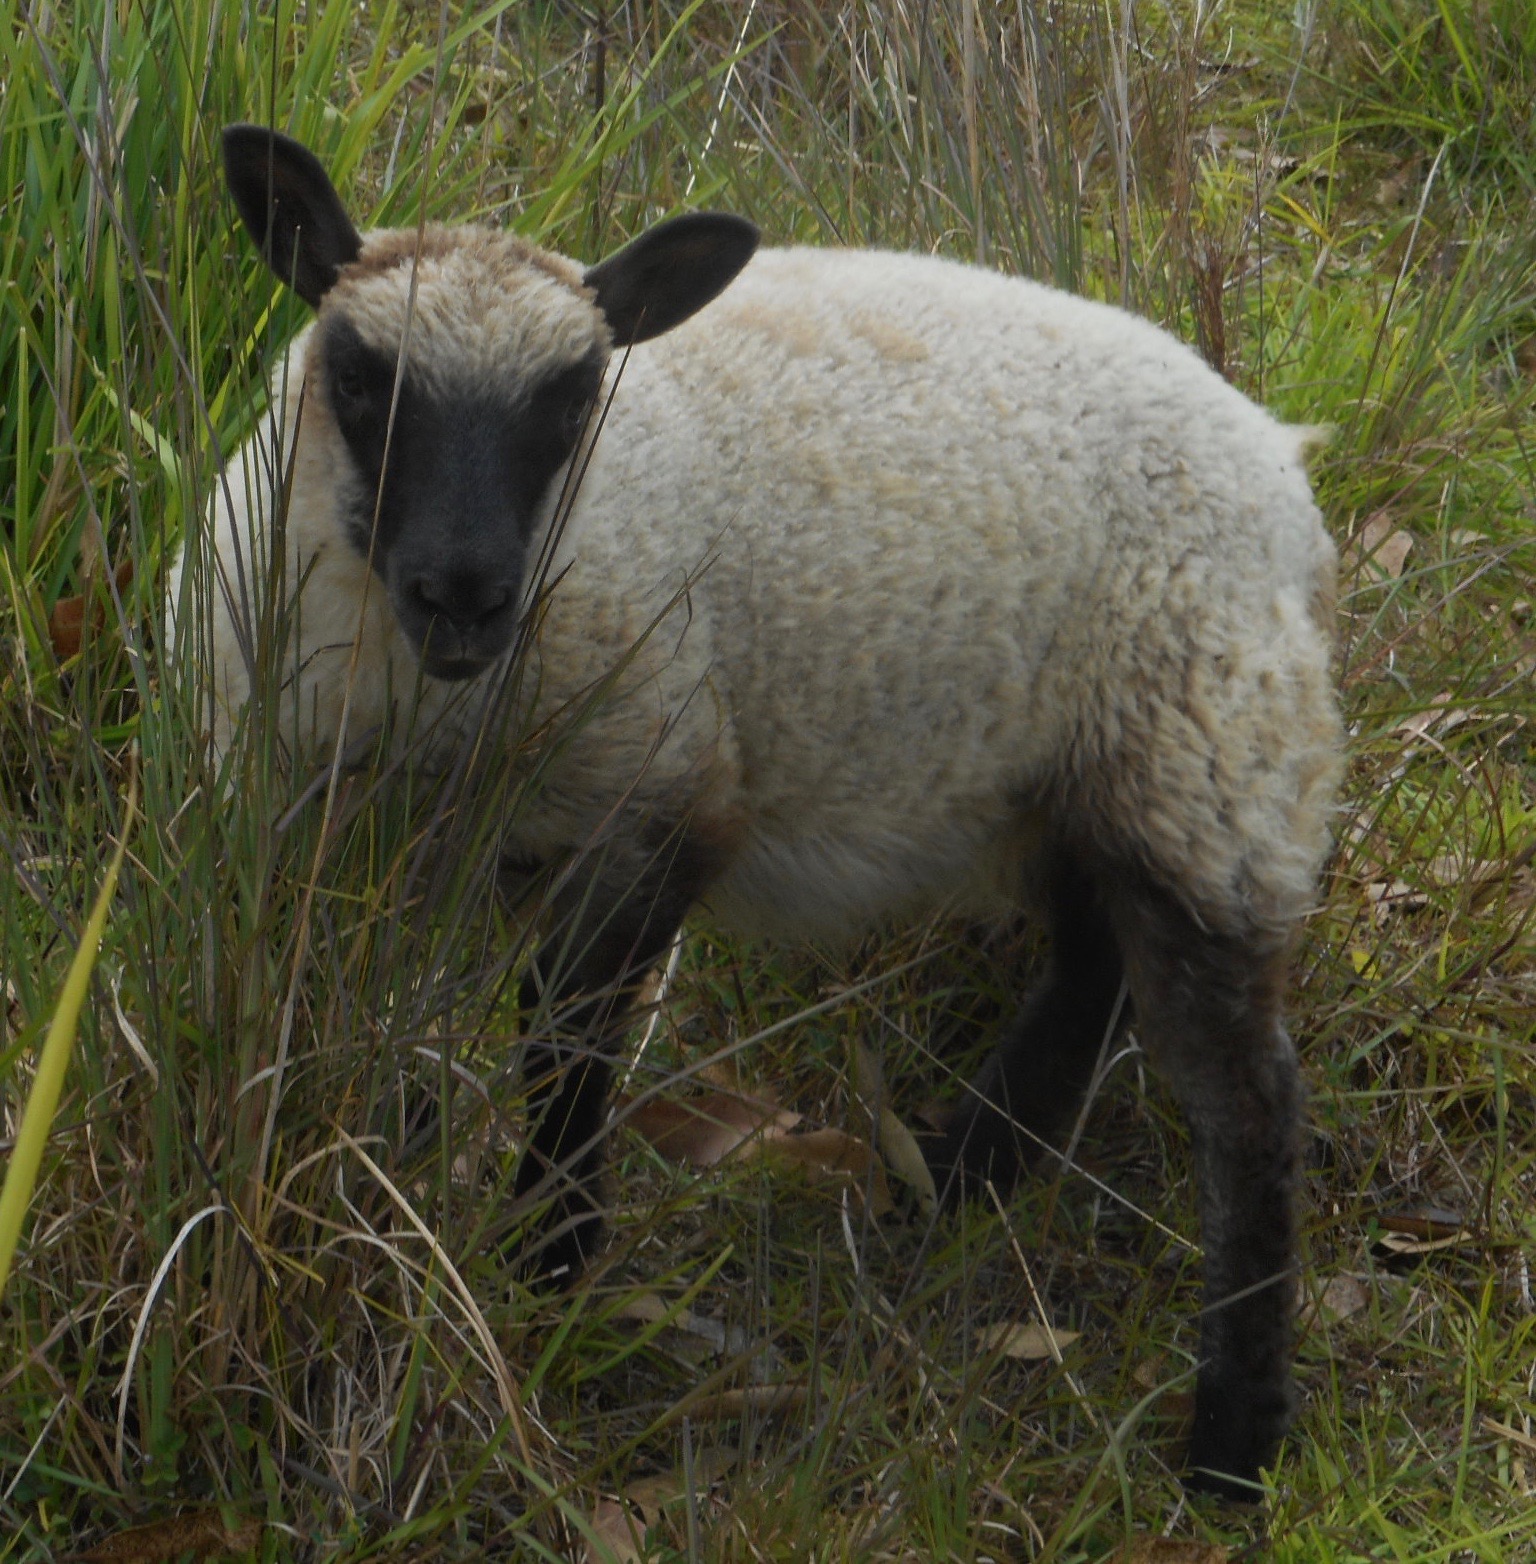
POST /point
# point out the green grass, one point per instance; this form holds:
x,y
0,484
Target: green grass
x,y
236,1290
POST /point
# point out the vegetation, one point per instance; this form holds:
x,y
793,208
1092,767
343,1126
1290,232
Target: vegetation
x,y
252,1314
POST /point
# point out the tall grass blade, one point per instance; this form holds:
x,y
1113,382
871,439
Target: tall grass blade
x,y
53,1059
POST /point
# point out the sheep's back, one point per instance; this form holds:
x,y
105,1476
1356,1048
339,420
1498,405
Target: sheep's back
x,y
960,548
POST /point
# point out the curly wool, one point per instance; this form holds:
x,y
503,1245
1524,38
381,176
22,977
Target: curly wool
x,y
903,563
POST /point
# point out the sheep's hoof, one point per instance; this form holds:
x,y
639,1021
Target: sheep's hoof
x,y
1228,1488
950,1181
554,1257
1235,1434
973,1150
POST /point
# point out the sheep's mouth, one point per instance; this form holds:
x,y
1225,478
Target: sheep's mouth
x,y
453,654
454,670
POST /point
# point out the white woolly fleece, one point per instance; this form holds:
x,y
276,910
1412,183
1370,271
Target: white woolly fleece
x,y
909,560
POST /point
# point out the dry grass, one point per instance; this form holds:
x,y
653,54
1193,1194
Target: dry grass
x,y
242,1300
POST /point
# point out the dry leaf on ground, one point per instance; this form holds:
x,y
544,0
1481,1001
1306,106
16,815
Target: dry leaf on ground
x,y
650,1308
1426,1230
838,1155
724,1405
618,1533
1341,1297
699,1132
1378,551
203,1533
66,624
1437,718
1029,1341
1389,896
1167,1550
1153,1375
703,1131
1450,870
904,1157
1426,1222
896,1144
620,1524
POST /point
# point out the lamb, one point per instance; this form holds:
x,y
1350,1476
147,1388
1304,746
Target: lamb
x,y
905,585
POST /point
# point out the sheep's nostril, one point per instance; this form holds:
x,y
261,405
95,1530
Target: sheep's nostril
x,y
462,602
426,596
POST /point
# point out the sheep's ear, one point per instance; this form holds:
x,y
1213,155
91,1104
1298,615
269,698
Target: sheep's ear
x,y
672,270
290,208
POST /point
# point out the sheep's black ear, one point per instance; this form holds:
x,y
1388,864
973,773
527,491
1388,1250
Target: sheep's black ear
x,y
672,270
290,208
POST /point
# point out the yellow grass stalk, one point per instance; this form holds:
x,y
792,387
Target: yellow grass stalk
x,y
53,1062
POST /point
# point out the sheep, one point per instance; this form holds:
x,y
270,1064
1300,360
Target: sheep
x,y
905,585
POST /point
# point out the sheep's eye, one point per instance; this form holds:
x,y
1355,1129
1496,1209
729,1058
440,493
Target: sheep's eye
x,y
572,417
348,386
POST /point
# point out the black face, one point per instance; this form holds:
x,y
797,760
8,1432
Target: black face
x,y
451,517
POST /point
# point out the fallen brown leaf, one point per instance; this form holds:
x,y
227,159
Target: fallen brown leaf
x,y
1389,896
1422,1230
1172,1407
904,1157
651,1308
1378,550
1167,1550
66,624
896,1144
1436,719
204,1533
702,1131
1399,1243
618,1534
1028,1341
1397,186
1450,869
620,1524
1423,1222
834,1154
724,1405
868,1076
1341,1297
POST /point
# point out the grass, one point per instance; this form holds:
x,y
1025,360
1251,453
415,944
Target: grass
x,y
243,1316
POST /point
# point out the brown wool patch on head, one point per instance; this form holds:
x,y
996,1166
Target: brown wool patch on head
x,y
387,248
492,314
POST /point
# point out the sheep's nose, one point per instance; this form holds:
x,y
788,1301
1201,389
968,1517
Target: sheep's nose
x,y
463,601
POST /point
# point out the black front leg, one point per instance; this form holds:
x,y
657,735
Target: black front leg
x,y
611,928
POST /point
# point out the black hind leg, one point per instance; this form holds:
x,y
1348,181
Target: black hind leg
x,y
1208,1009
1024,1099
